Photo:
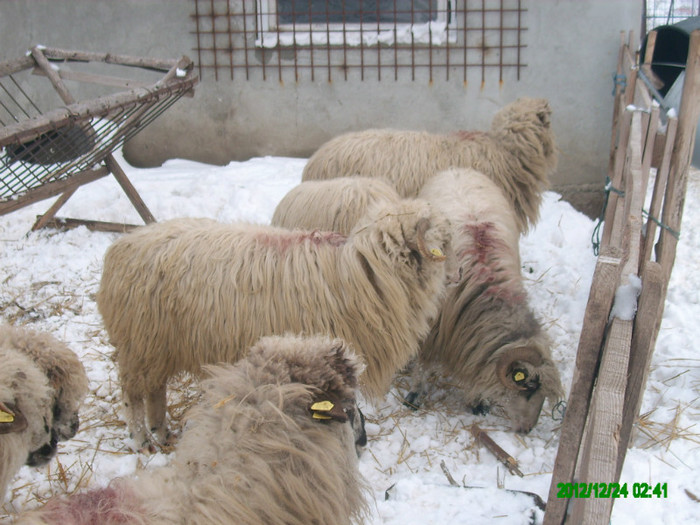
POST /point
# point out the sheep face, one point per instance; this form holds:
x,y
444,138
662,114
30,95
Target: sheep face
x,y
65,417
526,379
42,455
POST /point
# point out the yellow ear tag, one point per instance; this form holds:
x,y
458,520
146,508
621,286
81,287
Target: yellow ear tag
x,y
437,252
518,376
6,417
316,415
322,406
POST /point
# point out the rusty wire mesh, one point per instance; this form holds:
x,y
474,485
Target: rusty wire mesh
x,y
360,39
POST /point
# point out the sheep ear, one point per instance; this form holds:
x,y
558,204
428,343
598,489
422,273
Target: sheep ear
x,y
418,244
11,419
326,410
345,363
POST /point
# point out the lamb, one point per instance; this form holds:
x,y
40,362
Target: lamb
x,y
518,153
333,205
42,384
271,440
487,338
180,294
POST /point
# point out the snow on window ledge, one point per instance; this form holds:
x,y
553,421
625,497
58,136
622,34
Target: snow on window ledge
x,y
436,33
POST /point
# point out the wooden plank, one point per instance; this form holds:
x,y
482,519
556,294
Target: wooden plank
x,y
617,103
605,279
649,139
599,461
109,58
659,190
51,212
51,189
598,455
612,221
129,189
56,81
16,65
92,78
646,330
101,226
680,157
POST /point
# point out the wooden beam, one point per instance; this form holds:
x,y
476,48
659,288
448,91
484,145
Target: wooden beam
x,y
680,157
105,80
600,300
646,329
109,58
100,226
129,189
51,212
659,190
51,189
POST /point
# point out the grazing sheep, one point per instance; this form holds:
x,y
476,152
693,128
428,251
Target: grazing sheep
x,y
180,294
253,450
333,205
486,338
42,384
518,153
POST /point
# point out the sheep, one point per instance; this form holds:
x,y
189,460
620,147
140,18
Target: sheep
x,y
259,446
187,292
333,205
486,332
518,153
486,339
42,384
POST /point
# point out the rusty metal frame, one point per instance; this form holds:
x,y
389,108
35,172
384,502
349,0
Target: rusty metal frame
x,y
483,35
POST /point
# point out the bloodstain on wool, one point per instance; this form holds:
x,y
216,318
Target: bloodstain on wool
x,y
468,135
95,507
484,242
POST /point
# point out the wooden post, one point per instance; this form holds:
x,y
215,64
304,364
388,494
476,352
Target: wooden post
x,y
605,279
646,330
657,197
680,157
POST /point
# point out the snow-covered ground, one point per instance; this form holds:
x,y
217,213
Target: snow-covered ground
x,y
48,281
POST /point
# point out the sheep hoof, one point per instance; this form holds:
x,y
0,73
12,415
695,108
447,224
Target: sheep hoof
x,y
481,409
412,400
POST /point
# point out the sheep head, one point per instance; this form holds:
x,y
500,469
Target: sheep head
x,y
526,375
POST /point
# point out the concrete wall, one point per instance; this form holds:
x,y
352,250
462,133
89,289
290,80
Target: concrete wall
x,y
571,55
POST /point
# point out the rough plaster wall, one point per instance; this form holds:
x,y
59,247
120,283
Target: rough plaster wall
x,y
571,54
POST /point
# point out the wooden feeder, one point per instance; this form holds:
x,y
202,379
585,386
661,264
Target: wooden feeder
x,y
54,152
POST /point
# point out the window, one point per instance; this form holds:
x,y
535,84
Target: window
x,y
353,22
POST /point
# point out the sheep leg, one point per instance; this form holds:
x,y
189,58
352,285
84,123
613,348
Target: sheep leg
x,y
155,410
135,419
414,398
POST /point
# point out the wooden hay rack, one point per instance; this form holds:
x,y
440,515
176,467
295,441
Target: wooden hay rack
x,y
48,153
614,351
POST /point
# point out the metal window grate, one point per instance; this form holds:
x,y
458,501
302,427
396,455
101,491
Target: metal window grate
x,y
244,40
669,12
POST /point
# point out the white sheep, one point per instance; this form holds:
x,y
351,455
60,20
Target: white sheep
x,y
518,153
486,332
486,339
262,445
333,205
42,384
180,294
